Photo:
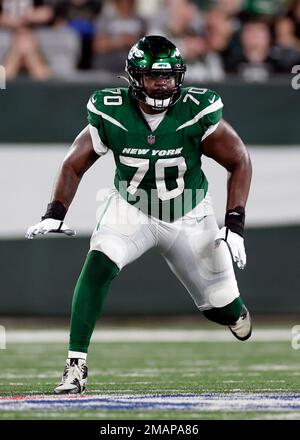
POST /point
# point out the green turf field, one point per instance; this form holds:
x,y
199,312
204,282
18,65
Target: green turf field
x,y
185,380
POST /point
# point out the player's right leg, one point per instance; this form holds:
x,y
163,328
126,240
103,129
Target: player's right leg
x,y
117,240
88,299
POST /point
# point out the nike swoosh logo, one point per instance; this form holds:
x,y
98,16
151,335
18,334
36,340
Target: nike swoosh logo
x,y
211,100
94,99
199,220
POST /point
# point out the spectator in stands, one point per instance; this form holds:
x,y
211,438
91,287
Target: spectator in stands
x,y
205,66
118,28
230,7
287,28
265,10
219,30
256,59
19,46
223,28
29,44
80,16
182,22
177,18
232,10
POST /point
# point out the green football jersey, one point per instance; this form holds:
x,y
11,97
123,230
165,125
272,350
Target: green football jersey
x,y
157,171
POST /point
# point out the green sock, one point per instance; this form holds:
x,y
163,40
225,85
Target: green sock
x,y
88,299
227,315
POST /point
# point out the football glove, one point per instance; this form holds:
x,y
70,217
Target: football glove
x,y
235,244
233,235
49,225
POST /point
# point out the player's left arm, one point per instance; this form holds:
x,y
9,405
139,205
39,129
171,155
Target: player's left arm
x,y
226,147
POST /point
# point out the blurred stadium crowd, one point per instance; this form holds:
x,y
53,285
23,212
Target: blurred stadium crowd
x,y
80,39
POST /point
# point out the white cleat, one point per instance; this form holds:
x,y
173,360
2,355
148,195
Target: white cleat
x,y
74,377
242,329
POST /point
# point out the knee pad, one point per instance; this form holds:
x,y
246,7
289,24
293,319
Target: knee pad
x,y
222,293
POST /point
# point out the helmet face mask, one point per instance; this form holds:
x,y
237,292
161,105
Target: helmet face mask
x,y
156,58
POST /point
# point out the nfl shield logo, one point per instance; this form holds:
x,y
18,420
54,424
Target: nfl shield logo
x,y
151,139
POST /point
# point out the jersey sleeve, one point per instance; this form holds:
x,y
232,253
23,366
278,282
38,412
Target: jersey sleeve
x,y
96,126
212,113
93,115
201,111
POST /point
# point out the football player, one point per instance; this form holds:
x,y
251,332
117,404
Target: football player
x,y
158,132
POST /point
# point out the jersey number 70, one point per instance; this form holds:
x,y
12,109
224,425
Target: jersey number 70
x,y
143,165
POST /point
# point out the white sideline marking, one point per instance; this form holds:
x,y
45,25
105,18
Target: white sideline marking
x,y
149,335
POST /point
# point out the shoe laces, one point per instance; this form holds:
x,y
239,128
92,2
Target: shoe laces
x,y
72,372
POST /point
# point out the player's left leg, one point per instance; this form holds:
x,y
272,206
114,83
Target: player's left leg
x,y
207,272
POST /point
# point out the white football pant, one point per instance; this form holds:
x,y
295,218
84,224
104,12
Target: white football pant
x,y
124,233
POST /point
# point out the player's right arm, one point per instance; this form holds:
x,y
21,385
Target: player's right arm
x,y
79,159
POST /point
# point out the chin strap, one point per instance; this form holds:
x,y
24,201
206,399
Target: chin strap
x,y
125,79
